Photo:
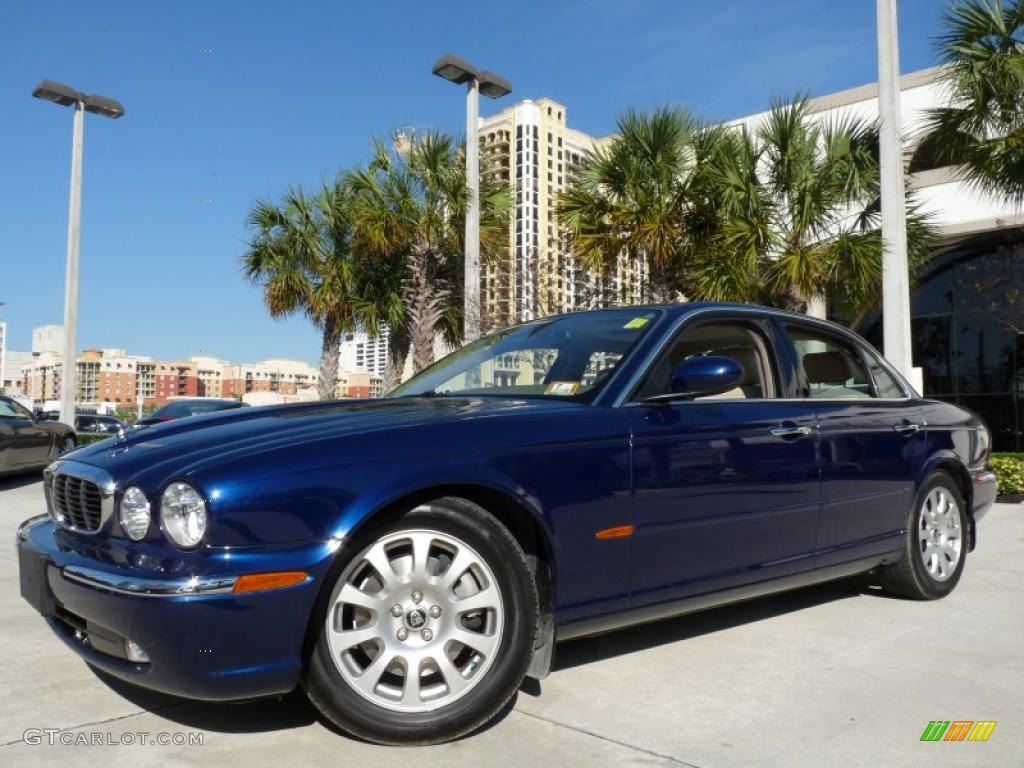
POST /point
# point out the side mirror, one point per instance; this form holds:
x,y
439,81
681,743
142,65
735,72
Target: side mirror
x,y
702,377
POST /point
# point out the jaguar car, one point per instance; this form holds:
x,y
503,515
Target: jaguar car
x,y
407,561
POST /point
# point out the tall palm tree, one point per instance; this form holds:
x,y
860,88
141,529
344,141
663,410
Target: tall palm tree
x,y
632,197
797,208
300,254
982,128
409,208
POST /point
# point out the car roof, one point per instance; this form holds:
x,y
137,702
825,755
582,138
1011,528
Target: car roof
x,y
680,309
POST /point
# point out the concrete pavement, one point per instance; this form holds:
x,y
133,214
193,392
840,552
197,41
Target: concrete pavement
x,y
837,675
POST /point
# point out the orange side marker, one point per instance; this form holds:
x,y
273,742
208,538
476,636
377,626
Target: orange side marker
x,y
257,582
615,532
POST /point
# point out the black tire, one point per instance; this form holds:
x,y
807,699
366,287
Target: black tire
x,y
909,577
344,706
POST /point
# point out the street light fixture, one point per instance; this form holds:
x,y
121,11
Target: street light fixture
x,y
456,70
66,96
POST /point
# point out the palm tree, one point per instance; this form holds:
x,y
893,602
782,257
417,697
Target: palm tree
x,y
632,197
409,208
796,204
300,254
982,129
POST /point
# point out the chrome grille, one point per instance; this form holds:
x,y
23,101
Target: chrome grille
x,y
77,501
79,496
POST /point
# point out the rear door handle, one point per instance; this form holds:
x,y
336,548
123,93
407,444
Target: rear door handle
x,y
792,432
907,428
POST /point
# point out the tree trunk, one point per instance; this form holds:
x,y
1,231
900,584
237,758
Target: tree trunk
x,y
424,306
398,353
793,300
330,351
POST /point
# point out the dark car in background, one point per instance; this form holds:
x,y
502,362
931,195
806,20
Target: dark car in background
x,y
180,409
408,560
28,442
98,424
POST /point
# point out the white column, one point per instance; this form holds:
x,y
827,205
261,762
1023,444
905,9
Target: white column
x,y
895,278
70,369
471,288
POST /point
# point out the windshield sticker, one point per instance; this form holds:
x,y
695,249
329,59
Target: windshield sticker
x,y
562,388
636,322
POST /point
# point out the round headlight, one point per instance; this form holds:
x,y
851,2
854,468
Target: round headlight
x,y
183,514
134,513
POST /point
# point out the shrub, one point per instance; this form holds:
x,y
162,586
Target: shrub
x,y
85,439
1009,469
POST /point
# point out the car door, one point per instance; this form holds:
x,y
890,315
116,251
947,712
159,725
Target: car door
x,y
872,443
25,442
725,489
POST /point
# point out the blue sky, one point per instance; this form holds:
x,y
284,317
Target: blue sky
x,y
294,91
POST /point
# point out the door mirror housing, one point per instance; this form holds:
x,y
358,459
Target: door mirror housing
x,y
703,376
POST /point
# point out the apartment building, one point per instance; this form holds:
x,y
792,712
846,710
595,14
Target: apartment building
x,y
359,352
113,376
530,147
286,377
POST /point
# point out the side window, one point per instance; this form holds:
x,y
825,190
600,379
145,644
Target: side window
x,y
885,384
831,367
733,340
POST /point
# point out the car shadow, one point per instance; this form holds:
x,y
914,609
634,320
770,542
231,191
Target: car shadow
x,y
20,480
642,637
277,713
293,710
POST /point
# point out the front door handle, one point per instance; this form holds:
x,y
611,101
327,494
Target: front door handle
x,y
907,428
790,432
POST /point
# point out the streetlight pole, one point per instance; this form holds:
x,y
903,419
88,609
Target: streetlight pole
x,y
471,270
458,70
895,272
66,96
69,369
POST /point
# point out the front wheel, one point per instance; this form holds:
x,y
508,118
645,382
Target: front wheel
x,y
428,629
936,543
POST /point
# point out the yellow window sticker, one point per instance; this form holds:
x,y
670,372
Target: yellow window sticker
x,y
562,388
636,322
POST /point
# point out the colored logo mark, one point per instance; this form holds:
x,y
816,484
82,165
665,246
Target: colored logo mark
x,y
958,730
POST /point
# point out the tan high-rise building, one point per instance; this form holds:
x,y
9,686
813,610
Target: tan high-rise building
x,y
530,147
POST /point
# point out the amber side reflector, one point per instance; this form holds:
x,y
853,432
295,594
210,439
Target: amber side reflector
x,y
615,532
257,582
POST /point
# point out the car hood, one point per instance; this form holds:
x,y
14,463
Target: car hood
x,y
177,446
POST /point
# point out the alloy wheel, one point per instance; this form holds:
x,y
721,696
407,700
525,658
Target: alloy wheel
x,y
415,621
940,542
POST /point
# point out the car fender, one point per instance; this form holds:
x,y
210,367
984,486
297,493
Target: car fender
x,y
416,481
948,460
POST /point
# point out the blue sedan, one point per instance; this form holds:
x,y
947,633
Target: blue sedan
x,y
407,561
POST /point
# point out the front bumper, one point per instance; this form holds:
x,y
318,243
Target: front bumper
x,y
202,640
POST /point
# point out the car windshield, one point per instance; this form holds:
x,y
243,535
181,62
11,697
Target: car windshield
x,y
568,357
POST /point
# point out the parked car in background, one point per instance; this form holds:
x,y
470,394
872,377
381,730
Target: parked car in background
x,y
97,424
180,409
408,560
28,442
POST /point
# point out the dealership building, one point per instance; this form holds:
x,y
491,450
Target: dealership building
x,y
967,306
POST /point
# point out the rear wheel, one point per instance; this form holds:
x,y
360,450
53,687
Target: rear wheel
x,y
936,543
428,629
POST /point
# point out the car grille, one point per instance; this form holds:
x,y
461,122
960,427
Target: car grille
x,y
77,502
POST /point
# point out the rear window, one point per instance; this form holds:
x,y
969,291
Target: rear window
x,y
832,368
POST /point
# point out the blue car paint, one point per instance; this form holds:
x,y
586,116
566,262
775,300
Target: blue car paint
x,y
719,508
